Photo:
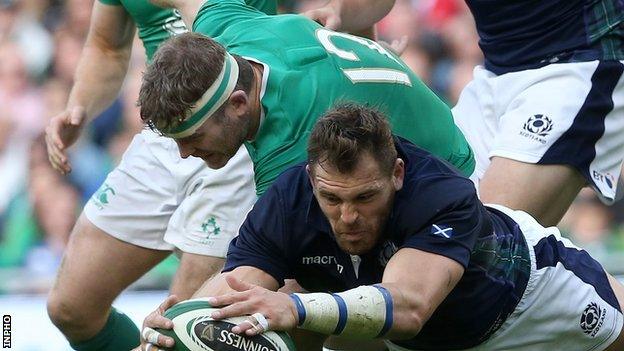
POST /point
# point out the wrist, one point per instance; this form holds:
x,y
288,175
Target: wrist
x,y
298,308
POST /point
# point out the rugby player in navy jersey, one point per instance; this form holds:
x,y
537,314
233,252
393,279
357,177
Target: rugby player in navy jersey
x,y
545,113
391,242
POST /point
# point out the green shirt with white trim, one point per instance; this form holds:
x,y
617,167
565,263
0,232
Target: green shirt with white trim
x,y
156,24
308,69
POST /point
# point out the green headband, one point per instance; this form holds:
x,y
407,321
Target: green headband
x,y
210,102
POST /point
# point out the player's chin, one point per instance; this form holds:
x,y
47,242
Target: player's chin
x,y
215,161
354,247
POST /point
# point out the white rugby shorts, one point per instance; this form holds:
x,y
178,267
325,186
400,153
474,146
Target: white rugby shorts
x,y
568,303
157,200
564,113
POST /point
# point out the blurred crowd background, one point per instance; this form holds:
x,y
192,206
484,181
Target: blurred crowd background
x,y
40,44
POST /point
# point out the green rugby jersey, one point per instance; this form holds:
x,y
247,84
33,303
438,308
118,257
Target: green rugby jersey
x,y
308,69
156,24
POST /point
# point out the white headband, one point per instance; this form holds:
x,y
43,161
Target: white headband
x,y
210,102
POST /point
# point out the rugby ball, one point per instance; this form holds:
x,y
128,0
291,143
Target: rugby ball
x,y
194,330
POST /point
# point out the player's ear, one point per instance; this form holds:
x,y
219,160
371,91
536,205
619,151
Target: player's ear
x,y
398,175
239,101
310,176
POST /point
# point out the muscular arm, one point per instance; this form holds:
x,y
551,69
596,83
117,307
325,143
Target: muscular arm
x,y
414,284
351,15
100,73
104,61
188,8
359,15
217,285
418,282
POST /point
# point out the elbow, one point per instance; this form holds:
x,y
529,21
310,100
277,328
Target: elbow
x,y
416,320
408,324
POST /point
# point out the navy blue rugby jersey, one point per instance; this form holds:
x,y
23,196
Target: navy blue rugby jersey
x,y
437,210
523,34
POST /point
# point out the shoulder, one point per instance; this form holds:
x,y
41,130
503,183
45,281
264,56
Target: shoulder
x,y
281,209
421,165
431,184
291,188
215,16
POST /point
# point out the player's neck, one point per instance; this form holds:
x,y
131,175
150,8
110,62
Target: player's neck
x,y
256,110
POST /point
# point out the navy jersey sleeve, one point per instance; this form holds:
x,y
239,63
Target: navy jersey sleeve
x,y
452,218
262,239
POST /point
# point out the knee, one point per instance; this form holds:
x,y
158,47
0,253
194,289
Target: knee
x,y
66,314
61,312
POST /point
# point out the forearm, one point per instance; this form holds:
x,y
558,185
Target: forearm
x,y
217,285
188,10
361,15
98,78
365,312
395,309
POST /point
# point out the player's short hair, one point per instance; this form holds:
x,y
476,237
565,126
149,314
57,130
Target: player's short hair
x,y
183,68
346,132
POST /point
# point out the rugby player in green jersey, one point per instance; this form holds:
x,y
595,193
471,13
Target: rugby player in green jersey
x,y
152,203
264,80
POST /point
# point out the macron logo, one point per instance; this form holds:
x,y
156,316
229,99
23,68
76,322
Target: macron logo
x,y
319,260
442,230
322,260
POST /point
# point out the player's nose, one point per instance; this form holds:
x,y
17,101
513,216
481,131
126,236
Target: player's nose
x,y
348,213
185,149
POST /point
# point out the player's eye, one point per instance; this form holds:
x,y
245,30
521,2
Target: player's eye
x,y
365,197
331,199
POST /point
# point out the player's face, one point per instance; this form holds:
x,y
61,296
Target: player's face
x,y
357,204
217,140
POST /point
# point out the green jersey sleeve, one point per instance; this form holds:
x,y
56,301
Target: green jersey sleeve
x,y
267,6
216,16
111,2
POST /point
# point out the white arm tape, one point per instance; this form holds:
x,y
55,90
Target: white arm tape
x,y
364,312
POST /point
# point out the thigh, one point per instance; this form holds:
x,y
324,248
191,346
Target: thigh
x,y
568,303
214,204
618,289
96,268
193,271
136,201
563,115
544,191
